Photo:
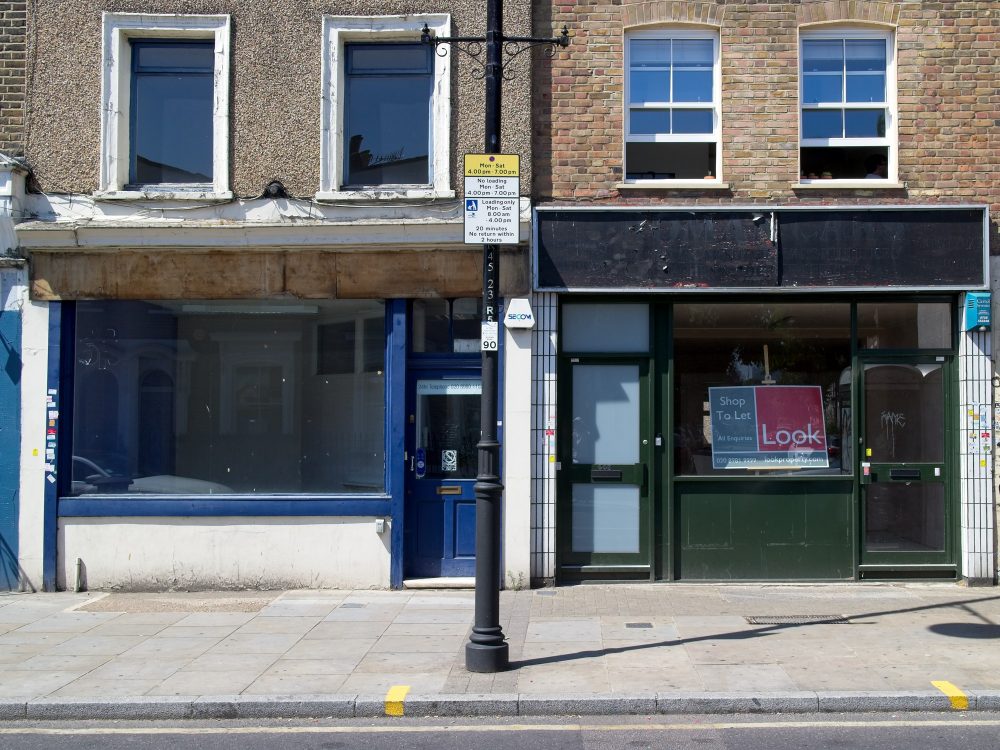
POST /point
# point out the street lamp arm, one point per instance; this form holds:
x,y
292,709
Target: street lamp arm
x,y
472,46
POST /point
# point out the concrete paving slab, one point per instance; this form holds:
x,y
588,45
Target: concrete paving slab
x,y
68,622
197,631
201,619
170,647
256,643
228,662
352,629
90,687
418,644
29,638
287,624
655,680
378,684
148,668
289,684
65,662
403,663
214,682
129,628
17,683
299,667
299,608
413,617
563,629
111,645
346,648
367,613
749,678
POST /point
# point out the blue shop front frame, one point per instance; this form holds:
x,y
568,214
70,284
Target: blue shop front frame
x,y
60,503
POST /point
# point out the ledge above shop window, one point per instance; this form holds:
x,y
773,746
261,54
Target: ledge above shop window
x,y
165,195
674,185
383,194
848,185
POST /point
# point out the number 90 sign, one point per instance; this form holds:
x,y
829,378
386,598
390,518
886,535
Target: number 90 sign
x,y
490,336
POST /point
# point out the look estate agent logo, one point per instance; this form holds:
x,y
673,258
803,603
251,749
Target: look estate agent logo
x,y
768,427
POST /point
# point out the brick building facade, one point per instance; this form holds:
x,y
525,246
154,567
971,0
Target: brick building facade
x,y
771,194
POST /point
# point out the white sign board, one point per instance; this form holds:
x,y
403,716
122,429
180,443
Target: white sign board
x,y
490,340
491,221
492,203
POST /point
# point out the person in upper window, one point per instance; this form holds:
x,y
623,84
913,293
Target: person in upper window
x,y
877,166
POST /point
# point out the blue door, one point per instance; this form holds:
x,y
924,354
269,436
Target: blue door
x,y
443,430
10,444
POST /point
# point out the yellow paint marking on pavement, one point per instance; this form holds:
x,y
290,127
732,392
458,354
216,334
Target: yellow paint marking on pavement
x,y
453,728
394,700
959,700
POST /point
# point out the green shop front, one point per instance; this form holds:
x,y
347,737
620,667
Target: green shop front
x,y
765,394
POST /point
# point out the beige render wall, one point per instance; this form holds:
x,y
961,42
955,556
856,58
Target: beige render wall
x,y
275,94
948,100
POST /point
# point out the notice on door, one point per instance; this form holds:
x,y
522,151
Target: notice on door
x,y
768,427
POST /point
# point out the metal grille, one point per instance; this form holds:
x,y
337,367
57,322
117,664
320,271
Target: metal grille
x,y
798,620
638,624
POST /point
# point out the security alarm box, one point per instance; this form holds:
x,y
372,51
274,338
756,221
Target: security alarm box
x,y
977,311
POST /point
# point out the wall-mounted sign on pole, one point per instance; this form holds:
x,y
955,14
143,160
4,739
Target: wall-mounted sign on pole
x,y
492,199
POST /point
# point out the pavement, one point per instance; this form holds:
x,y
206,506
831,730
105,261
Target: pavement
x,y
603,649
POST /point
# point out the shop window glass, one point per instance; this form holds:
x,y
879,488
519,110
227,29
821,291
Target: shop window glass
x,y
733,348
206,398
905,325
605,328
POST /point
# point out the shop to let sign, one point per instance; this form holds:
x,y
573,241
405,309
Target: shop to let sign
x,y
492,199
768,427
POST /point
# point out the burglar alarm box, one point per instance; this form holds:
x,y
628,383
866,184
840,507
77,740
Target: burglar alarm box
x,y
977,311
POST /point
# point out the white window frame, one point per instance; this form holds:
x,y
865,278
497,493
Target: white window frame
x,y
116,89
340,30
716,105
889,141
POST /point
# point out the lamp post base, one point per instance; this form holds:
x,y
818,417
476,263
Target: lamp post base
x,y
487,658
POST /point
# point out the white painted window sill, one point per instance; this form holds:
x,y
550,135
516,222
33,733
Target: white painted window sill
x,y
848,185
388,194
674,185
164,195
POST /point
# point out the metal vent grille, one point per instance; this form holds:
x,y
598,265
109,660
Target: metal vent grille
x,y
798,620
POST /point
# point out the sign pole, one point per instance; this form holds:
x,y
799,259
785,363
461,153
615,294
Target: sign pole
x,y
488,221
487,649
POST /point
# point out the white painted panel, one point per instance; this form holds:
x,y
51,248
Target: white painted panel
x,y
149,554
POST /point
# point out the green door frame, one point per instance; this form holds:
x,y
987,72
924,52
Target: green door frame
x,y
572,565
911,561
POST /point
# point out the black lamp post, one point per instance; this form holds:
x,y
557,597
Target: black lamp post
x,y
487,649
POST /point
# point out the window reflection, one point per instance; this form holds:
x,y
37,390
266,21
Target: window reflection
x,y
202,398
717,345
387,114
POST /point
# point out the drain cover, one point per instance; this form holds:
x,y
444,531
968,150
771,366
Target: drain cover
x,y
352,605
638,624
798,620
545,593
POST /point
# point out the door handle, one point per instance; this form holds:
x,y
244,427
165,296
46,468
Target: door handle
x,y
411,463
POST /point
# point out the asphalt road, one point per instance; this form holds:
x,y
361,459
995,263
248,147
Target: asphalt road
x,y
844,732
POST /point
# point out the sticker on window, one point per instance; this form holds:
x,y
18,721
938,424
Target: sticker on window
x,y
449,460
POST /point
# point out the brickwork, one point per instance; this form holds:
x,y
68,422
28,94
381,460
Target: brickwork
x,y
948,79
12,27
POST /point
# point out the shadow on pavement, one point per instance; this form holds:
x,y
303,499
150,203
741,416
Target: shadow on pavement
x,y
955,630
